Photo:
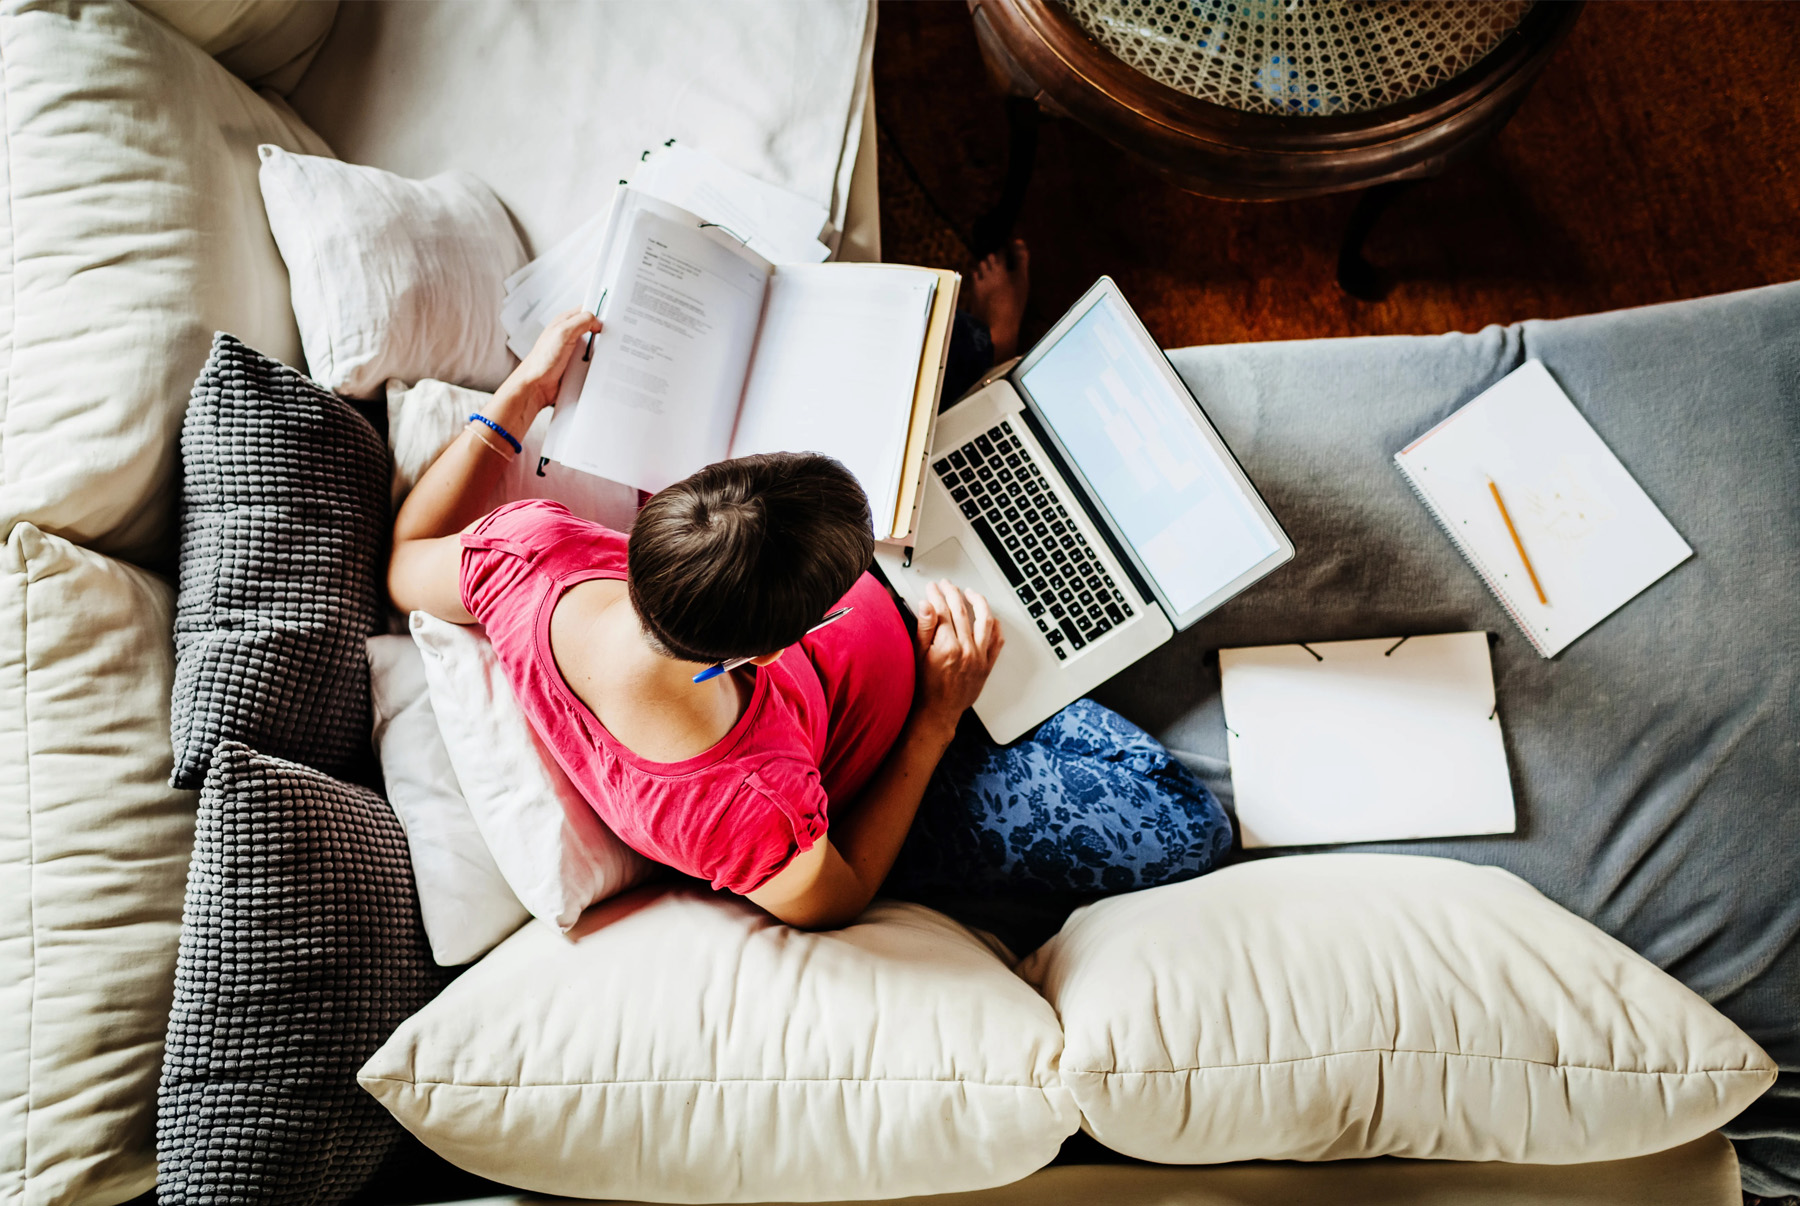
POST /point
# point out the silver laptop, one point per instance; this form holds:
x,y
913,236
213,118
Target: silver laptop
x,y
1085,493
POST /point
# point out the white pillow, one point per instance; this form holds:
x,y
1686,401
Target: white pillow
x,y
392,277
93,856
554,851
132,230
463,899
1331,1006
683,1046
423,419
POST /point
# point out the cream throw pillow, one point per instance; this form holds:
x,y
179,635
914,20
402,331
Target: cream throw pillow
x,y
548,842
464,902
132,230
1332,1006
392,277
680,1045
93,856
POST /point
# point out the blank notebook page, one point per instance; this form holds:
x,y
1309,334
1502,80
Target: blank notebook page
x,y
835,368
1594,537
1378,741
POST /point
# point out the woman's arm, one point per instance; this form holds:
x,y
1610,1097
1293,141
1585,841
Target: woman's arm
x,y
452,495
831,884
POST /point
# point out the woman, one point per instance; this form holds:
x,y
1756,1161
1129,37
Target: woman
x,y
732,779
795,779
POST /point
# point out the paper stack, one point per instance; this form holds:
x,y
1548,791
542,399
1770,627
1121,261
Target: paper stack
x,y
780,226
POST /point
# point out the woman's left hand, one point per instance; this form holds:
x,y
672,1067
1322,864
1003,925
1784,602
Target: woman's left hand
x,y
534,384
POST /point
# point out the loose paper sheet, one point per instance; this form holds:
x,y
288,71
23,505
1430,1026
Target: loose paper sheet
x,y
781,226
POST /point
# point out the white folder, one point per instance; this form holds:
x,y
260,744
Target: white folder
x,y
1357,741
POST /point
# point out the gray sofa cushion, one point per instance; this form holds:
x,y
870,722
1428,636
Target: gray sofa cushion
x,y
301,951
284,518
1656,761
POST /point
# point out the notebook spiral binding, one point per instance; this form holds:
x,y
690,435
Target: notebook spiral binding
x,y
1489,579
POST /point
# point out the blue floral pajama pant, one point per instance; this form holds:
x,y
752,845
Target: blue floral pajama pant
x,y
1086,805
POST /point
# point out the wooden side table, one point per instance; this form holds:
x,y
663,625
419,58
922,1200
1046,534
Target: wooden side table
x,y
1320,103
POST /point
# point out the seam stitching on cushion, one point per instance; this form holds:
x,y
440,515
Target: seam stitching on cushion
x,y
329,299
721,1080
315,268
12,249
1500,1059
31,929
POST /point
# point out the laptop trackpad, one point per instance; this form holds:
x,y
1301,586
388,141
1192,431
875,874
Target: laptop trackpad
x,y
947,560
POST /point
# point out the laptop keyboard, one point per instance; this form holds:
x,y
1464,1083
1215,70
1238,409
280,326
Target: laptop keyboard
x,y
1044,556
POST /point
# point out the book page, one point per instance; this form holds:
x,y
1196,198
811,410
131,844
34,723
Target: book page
x,y
836,364
658,396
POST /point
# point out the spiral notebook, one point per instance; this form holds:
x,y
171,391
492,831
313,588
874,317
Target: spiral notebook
x,y
1537,503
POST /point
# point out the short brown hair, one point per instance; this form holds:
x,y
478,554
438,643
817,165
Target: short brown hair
x,y
743,557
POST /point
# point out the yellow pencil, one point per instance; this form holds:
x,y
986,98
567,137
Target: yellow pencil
x,y
1518,544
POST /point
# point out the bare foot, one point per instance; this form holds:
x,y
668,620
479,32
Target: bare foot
x,y
1000,285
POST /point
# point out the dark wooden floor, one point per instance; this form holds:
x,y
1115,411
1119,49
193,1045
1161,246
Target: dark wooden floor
x,y
1657,158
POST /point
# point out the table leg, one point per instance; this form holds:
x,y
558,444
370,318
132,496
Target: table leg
x,y
1356,276
993,229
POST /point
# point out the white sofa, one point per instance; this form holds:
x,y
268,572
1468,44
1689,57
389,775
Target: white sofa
x,y
136,229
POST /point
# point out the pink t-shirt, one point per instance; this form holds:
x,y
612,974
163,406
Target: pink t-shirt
x,y
819,721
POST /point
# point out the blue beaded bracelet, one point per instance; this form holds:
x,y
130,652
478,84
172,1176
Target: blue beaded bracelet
x,y
504,434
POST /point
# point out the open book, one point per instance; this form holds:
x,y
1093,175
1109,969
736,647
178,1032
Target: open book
x,y
709,352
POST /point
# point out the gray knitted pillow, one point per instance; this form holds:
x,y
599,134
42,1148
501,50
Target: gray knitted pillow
x,y
301,951
284,523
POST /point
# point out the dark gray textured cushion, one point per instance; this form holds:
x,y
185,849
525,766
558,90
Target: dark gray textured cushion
x,y
284,518
301,951
1656,761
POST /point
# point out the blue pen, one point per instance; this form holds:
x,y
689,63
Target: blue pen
x,y
717,668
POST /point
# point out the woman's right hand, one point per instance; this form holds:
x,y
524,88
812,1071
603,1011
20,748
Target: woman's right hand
x,y
959,639
533,386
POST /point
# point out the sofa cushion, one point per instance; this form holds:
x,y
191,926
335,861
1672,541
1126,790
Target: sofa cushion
x,y
270,43
1324,1007
464,902
683,1046
301,950
392,277
132,230
284,518
93,846
410,88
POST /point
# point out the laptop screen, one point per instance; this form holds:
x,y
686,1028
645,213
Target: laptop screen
x,y
1148,456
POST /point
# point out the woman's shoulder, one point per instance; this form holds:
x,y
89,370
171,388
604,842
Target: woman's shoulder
x,y
536,526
